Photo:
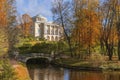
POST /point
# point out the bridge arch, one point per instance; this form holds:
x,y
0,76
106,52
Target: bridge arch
x,y
38,60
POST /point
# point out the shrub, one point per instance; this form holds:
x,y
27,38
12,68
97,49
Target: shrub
x,y
62,46
36,48
96,59
25,48
43,47
8,72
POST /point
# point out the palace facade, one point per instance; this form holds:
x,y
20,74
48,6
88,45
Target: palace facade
x,y
47,30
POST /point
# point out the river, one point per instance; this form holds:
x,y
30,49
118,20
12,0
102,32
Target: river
x,y
48,72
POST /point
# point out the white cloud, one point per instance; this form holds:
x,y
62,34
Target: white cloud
x,y
34,7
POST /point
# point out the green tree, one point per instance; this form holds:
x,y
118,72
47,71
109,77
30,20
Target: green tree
x,y
8,72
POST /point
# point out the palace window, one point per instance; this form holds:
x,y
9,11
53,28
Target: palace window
x,y
56,31
56,38
48,29
52,38
52,31
48,38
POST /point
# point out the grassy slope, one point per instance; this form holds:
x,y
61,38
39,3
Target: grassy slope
x,y
22,72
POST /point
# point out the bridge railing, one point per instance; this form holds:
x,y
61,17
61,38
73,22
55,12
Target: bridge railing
x,y
22,56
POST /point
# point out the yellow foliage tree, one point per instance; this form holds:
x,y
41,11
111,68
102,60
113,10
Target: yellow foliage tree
x,y
87,29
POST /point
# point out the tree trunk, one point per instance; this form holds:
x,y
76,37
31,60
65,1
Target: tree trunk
x,y
66,35
89,50
102,46
110,52
109,48
70,47
119,49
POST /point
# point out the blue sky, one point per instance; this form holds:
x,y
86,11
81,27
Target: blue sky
x,y
34,7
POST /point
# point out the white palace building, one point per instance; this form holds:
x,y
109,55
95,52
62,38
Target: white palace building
x,y
47,30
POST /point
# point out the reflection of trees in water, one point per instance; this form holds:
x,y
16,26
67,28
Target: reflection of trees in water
x,y
53,74
31,73
49,73
80,75
112,76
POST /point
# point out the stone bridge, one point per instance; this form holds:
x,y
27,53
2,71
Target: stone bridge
x,y
25,57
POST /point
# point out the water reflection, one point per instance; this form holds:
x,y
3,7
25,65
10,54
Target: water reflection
x,y
66,74
52,73
80,75
48,73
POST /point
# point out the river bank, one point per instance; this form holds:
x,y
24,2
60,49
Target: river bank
x,y
87,65
70,63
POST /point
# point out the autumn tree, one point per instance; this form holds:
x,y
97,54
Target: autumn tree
x,y
3,27
86,32
117,12
108,29
7,21
26,24
86,26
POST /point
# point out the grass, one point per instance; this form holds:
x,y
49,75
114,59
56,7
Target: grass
x,y
110,65
73,62
82,64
